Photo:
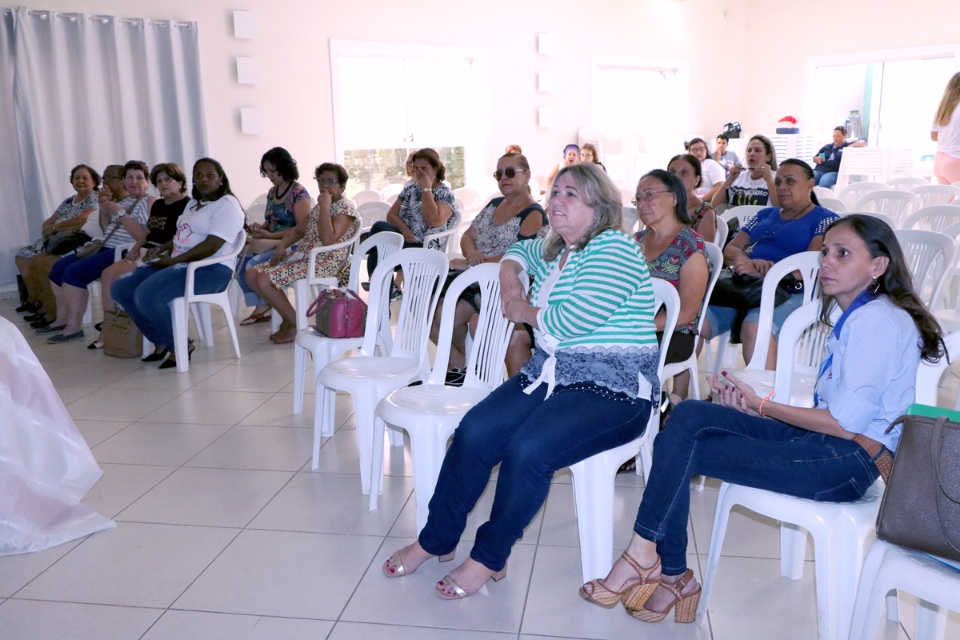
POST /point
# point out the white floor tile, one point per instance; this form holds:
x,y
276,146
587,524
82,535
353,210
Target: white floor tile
x,y
120,404
96,431
34,620
278,412
247,378
198,625
209,407
363,631
267,448
16,571
121,485
158,443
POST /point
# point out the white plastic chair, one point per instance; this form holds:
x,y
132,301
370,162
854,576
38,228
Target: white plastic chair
x,y
324,350
469,197
930,256
371,212
873,214
899,205
808,263
892,568
824,192
367,195
936,217
631,219
907,183
867,162
742,213
593,478
722,231
931,194
715,256
448,241
390,191
851,193
840,530
305,289
178,308
431,412
836,205
368,377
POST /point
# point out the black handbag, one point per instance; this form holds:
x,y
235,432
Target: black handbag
x,y
63,242
732,130
921,506
742,291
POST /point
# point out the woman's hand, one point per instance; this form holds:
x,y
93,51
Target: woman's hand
x,y
325,199
734,173
735,394
459,264
162,260
425,181
515,308
743,265
475,258
761,266
279,255
766,173
258,231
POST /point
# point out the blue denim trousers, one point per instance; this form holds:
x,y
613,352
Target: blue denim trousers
x,y
80,272
250,297
530,438
720,442
146,292
825,179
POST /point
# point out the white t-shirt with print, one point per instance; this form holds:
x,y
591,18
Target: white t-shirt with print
x,y
222,218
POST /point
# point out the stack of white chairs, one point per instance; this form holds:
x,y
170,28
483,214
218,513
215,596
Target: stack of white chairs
x,y
852,193
930,256
431,412
593,478
631,219
907,183
866,162
899,205
931,194
368,377
840,530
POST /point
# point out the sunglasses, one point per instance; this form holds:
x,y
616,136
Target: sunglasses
x,y
510,172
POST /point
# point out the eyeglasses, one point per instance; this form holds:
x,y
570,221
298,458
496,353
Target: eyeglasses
x,y
510,172
697,148
647,196
328,182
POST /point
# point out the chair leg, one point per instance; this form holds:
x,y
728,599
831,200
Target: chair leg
x,y
180,334
427,452
299,373
716,545
593,496
793,548
376,462
231,326
364,417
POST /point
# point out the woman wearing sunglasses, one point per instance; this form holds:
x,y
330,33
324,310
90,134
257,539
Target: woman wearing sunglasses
x,y
514,216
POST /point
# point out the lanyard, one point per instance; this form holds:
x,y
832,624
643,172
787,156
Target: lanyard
x,y
865,296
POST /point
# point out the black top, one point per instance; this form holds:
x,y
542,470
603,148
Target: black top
x,y
162,223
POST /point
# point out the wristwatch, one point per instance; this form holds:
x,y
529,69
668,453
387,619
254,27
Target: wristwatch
x,y
121,213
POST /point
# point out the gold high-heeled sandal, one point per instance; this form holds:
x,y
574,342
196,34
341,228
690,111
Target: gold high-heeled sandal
x,y
458,592
637,588
685,606
398,570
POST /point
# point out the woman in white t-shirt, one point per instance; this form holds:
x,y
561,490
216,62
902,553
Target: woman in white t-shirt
x,y
946,133
712,174
752,184
210,226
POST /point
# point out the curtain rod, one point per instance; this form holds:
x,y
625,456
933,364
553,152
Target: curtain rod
x,y
45,14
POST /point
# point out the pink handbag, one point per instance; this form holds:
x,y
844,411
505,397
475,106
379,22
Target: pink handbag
x,y
339,314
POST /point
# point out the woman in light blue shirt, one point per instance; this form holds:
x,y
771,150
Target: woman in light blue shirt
x,y
831,452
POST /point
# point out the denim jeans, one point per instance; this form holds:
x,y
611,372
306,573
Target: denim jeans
x,y
146,292
825,179
377,227
720,442
250,297
80,272
530,438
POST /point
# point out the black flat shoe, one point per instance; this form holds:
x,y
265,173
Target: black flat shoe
x,y
41,323
171,362
98,326
96,344
33,317
155,357
32,307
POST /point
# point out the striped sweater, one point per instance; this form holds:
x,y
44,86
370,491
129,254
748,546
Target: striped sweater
x,y
598,320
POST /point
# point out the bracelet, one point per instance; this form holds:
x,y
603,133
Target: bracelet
x,y
760,408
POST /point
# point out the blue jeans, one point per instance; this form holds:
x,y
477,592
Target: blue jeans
x,y
80,272
146,292
721,318
720,442
828,179
250,297
530,438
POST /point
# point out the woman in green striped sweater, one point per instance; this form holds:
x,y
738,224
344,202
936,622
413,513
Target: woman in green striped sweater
x,y
587,388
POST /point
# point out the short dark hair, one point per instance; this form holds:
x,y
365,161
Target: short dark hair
x,y
433,158
282,161
695,141
693,161
115,169
807,171
173,170
224,181
723,136
342,175
136,165
93,174
841,129
676,189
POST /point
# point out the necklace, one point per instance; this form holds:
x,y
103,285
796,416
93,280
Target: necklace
x,y
281,196
799,214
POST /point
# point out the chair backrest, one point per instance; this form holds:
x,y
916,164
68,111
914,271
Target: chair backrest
x,y
373,211
906,183
899,205
367,195
930,256
423,270
469,197
851,193
934,217
448,240
353,242
801,347
824,192
391,190
861,161
196,264
833,204
631,219
808,264
488,348
873,214
929,374
386,243
723,229
742,213
931,194
665,295
715,255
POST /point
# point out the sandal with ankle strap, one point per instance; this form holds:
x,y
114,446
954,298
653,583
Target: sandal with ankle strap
x,y
636,589
459,592
684,605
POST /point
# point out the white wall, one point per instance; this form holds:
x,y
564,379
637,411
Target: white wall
x,y
746,59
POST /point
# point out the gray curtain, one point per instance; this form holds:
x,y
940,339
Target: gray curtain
x,y
100,90
13,211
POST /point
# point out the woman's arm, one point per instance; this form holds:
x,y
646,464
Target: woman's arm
x,y
516,305
72,224
935,136
435,214
207,247
720,195
393,217
691,286
767,174
708,225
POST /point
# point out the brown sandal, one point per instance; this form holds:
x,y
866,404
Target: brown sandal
x,y
686,605
635,589
254,318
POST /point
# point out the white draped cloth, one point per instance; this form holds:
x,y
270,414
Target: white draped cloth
x,y
46,466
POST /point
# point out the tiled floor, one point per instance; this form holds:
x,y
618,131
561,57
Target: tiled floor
x,y
224,532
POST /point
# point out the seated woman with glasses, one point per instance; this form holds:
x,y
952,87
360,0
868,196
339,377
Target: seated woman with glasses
x,y
332,220
712,173
775,233
513,217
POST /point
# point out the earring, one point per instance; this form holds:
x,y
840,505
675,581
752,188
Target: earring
x,y
875,286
